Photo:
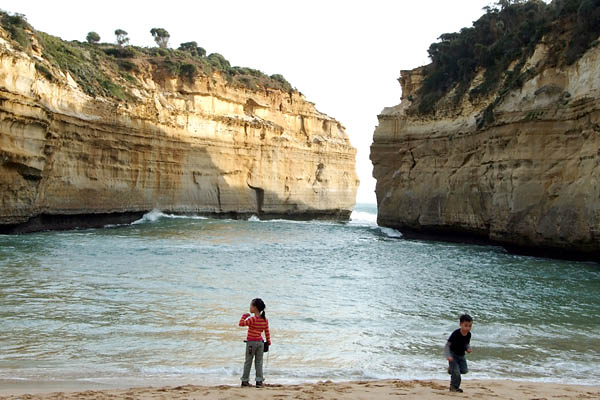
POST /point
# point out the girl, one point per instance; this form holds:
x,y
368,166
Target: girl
x,y
254,341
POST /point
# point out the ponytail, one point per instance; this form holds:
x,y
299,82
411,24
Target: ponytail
x,y
258,303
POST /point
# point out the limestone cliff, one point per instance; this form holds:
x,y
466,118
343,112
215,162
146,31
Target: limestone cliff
x,y
527,178
183,144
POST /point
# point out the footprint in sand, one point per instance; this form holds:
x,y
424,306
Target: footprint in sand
x,y
590,395
403,385
432,385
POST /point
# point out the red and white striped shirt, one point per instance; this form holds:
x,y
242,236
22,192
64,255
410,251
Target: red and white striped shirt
x,y
255,328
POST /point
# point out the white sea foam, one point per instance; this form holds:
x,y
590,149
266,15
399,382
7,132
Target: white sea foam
x,y
363,218
390,232
254,218
151,216
156,215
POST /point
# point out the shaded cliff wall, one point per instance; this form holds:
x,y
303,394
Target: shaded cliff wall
x,y
529,180
179,145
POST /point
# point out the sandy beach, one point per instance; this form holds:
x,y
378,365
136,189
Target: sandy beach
x,y
378,390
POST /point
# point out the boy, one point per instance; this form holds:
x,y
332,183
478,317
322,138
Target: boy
x,y
457,344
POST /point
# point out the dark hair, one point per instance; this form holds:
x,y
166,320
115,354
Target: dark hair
x,y
258,303
466,318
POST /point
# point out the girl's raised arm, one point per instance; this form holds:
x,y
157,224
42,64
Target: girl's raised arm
x,y
245,321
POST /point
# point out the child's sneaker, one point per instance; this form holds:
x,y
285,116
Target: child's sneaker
x,y
455,389
245,384
259,384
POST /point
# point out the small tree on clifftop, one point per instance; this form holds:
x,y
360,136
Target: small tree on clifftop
x,y
161,37
121,37
192,48
92,37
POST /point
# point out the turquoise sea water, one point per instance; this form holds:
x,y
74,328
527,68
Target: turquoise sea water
x,y
158,301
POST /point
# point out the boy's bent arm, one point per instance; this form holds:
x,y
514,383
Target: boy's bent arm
x,y
447,352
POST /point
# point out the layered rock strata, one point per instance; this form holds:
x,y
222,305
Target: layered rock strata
x,y
195,146
530,180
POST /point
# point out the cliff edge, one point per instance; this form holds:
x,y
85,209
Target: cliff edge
x,y
95,133
499,138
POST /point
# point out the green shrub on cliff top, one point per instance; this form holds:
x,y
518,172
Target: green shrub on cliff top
x,y
16,25
586,31
161,37
92,37
192,48
127,65
121,37
120,52
42,69
507,33
188,71
103,69
218,61
71,59
285,85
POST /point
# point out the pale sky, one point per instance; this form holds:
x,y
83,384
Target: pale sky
x,y
345,56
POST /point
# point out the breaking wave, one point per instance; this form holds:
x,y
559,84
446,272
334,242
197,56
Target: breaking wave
x,y
369,219
156,215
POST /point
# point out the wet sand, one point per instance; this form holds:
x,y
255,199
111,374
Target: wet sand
x,y
376,390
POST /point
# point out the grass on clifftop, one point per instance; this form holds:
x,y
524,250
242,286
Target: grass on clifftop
x,y
506,35
103,69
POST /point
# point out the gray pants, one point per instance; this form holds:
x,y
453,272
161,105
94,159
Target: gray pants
x,y
254,350
456,367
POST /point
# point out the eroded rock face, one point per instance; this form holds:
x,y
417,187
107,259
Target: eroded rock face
x,y
530,179
181,146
